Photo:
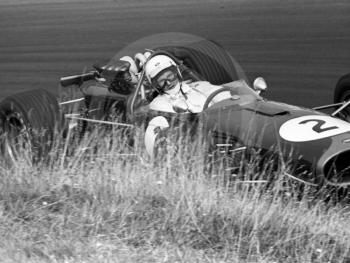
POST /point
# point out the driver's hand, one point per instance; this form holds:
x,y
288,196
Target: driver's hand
x,y
180,106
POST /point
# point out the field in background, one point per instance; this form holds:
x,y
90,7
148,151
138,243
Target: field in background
x,y
300,48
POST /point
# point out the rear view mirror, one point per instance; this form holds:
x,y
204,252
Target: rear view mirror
x,y
77,79
260,85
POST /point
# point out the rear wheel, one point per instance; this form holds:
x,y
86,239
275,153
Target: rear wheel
x,y
209,60
28,122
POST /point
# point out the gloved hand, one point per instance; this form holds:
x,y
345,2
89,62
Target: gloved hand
x,y
180,106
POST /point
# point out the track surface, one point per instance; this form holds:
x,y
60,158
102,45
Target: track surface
x,y
300,47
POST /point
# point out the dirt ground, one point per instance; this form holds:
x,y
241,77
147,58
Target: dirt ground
x,y
300,48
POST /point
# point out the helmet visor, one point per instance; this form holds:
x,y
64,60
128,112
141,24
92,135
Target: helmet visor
x,y
166,79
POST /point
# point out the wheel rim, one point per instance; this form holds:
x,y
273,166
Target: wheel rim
x,y
16,139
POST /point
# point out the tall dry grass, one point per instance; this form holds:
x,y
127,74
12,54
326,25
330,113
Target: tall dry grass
x,y
100,200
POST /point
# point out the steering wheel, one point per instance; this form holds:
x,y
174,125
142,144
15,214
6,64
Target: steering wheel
x,y
214,94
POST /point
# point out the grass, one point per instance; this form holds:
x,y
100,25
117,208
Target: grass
x,y
104,201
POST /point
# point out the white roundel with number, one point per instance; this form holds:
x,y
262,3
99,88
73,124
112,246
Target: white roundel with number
x,y
312,127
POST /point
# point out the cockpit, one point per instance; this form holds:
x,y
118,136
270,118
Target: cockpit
x,y
124,75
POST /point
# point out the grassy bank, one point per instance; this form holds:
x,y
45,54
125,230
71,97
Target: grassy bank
x,y
110,203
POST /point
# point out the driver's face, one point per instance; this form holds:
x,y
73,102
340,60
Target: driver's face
x,y
167,80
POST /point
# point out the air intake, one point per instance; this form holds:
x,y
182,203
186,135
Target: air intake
x,y
337,169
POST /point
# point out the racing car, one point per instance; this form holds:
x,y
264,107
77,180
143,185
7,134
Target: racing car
x,y
315,144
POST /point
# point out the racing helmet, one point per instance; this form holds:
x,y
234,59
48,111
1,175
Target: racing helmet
x,y
157,65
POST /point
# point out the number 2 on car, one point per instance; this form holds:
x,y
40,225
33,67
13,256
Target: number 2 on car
x,y
312,127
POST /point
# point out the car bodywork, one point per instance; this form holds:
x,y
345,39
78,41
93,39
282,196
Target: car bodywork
x,y
315,146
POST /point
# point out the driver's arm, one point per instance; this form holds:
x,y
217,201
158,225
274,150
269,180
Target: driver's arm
x,y
161,103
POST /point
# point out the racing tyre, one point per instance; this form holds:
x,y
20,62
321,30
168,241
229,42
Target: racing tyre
x,y
342,89
28,122
342,93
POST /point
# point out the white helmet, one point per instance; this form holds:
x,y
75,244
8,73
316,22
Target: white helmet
x,y
157,64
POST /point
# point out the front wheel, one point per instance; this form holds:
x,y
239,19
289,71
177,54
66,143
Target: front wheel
x,y
342,89
341,94
28,121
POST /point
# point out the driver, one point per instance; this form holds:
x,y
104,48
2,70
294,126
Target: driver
x,y
175,95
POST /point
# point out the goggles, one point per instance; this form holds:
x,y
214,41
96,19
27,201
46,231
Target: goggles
x,y
165,80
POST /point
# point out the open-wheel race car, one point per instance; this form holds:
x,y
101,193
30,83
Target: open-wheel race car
x,y
315,145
